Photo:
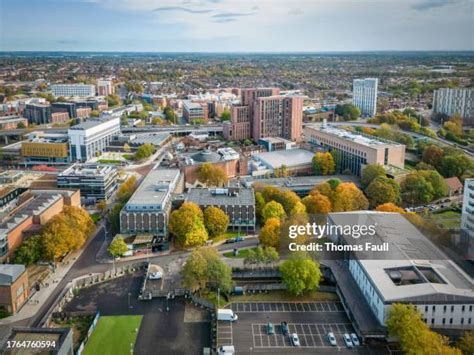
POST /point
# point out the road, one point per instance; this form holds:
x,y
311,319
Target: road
x,y
87,264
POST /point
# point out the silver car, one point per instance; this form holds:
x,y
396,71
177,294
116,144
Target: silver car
x,y
347,340
355,339
332,339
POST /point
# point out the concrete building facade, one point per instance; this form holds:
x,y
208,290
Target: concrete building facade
x,y
149,208
365,95
467,218
451,101
95,181
355,150
14,287
90,138
69,90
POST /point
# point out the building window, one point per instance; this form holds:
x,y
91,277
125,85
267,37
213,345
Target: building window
x,y
463,308
452,308
444,320
432,320
450,320
444,309
426,308
434,309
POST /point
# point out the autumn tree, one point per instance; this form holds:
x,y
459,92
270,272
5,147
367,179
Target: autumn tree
x,y
416,189
270,233
300,274
325,189
454,125
102,206
323,164
287,198
187,225
298,209
382,190
126,190
349,198
317,203
273,209
117,247
212,175
370,172
404,322
389,207
216,221
432,155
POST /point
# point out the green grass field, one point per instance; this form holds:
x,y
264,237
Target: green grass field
x,y
113,335
449,219
242,254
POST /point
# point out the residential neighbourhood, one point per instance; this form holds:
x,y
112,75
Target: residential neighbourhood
x,y
235,201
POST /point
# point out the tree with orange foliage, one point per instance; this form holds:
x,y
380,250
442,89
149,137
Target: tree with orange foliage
x,y
349,198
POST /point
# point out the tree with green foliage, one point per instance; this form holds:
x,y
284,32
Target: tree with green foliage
x,y
416,189
348,112
370,172
300,274
261,256
113,100
383,190
187,225
225,116
259,204
29,252
323,164
145,151
204,270
216,221
273,209
170,115
466,343
95,113
114,216
440,188
118,247
455,165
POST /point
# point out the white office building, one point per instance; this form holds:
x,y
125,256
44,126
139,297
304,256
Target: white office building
x,y
90,138
451,101
411,270
77,90
467,219
365,95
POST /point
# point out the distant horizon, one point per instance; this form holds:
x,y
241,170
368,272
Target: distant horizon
x,y
236,26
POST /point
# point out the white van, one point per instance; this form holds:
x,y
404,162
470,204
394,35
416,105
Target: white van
x,y
226,350
226,315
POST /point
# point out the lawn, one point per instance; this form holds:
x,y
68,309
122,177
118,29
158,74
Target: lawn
x,y
96,217
113,335
448,219
242,253
283,296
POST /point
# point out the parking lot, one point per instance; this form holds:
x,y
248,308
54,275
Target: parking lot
x,y
312,321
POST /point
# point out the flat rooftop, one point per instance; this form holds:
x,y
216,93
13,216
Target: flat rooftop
x,y
154,189
361,139
413,269
87,170
192,105
223,196
290,158
154,138
90,123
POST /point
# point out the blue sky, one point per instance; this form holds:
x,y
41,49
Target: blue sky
x,y
236,25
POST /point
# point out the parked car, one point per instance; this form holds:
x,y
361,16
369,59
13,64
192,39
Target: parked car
x,y
239,239
156,275
355,339
347,340
270,329
295,340
284,328
230,241
332,339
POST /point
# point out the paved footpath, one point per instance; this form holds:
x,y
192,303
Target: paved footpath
x,y
34,304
